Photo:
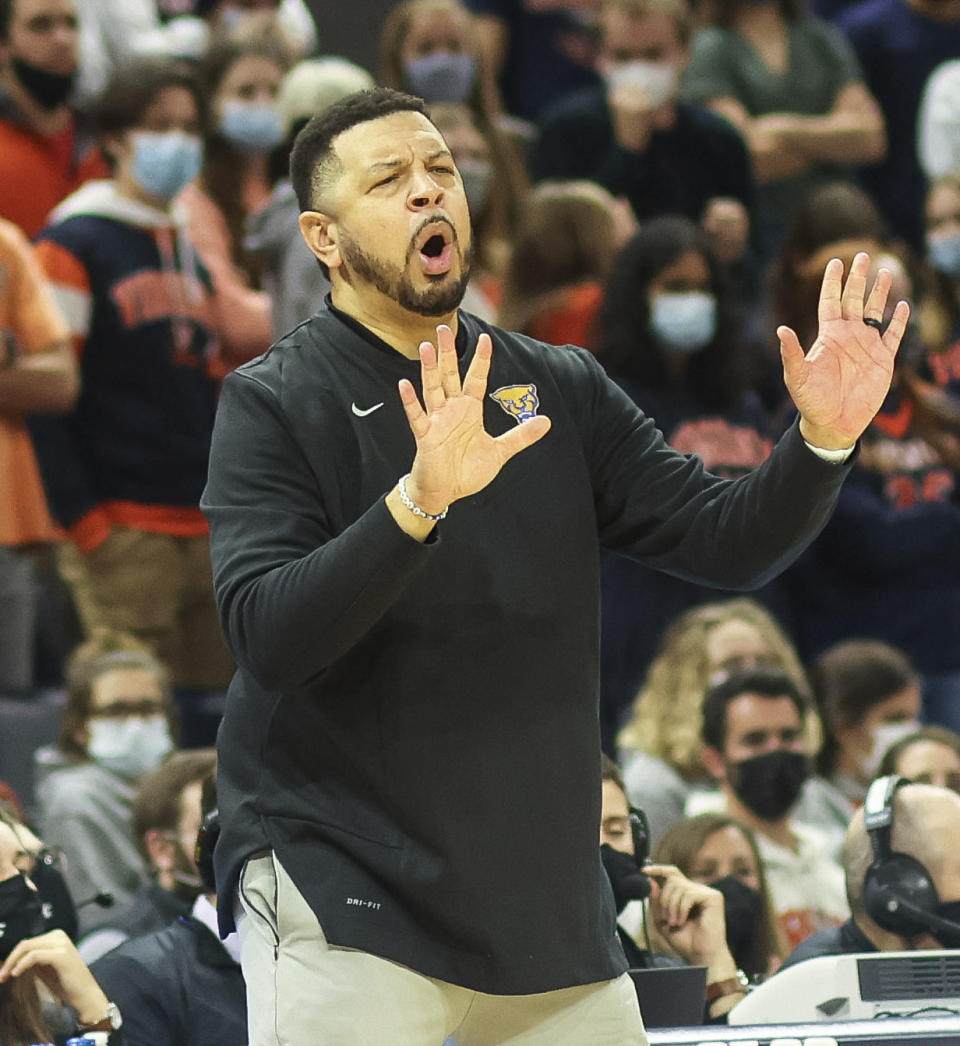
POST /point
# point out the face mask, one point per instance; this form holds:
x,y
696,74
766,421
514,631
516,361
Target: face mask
x,y
163,164
58,907
442,76
769,784
477,178
129,747
741,907
684,323
884,736
657,80
949,910
945,254
21,914
626,879
49,90
257,128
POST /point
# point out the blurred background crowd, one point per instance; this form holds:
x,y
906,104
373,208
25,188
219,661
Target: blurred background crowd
x,y
658,181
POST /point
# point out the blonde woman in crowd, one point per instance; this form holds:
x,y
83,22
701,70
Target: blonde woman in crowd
x,y
660,745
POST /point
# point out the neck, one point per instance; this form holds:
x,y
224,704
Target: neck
x,y
41,120
132,190
848,765
777,831
759,19
881,939
400,329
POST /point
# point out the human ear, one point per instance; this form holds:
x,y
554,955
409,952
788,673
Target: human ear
x,y
160,849
319,231
713,761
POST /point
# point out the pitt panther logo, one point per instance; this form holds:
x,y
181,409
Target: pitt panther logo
x,y
519,401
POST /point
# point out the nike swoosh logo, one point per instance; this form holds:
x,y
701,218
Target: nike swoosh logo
x,y
363,413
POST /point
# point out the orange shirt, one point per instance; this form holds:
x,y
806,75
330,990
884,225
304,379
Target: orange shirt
x,y
27,309
569,317
38,171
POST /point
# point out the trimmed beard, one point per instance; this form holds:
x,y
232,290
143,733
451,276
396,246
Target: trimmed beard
x,y
440,299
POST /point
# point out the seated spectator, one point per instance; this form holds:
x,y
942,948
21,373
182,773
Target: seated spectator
x,y
430,48
116,727
792,86
561,254
942,237
938,122
180,986
38,372
289,272
910,854
686,919
125,469
660,744
44,153
638,140
240,82
753,745
931,755
671,334
915,37
868,694
492,201
45,987
165,820
718,851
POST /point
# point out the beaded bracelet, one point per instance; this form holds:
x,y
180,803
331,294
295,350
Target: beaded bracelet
x,y
413,506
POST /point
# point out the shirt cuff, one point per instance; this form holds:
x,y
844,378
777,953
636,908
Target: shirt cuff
x,y
835,457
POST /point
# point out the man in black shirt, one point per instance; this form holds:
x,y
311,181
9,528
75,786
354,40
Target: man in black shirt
x,y
401,874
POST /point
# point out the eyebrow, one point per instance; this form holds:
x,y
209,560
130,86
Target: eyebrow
x,y
392,165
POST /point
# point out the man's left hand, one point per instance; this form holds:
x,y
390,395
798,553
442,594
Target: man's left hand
x,y
840,384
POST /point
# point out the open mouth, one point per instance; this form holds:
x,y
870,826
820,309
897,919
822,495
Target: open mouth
x,y
436,248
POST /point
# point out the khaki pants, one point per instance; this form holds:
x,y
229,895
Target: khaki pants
x,y
302,991
159,588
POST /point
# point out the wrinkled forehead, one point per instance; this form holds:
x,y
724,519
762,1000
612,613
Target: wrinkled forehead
x,y
402,136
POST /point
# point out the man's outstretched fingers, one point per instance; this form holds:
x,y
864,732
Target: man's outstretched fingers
x,y
416,417
893,335
523,436
830,290
851,301
449,364
475,380
877,301
791,351
430,378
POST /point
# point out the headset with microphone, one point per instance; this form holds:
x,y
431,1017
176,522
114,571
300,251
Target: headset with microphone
x,y
898,892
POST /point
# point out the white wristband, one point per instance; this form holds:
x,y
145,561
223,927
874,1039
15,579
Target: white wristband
x,y
409,503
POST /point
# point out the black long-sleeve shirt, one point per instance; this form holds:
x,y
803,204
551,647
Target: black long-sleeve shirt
x,y
413,726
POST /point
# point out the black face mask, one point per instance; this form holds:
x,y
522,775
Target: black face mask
x,y
60,911
49,90
949,910
21,914
769,784
741,909
628,882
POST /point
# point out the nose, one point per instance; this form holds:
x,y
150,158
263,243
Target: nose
x,y
425,192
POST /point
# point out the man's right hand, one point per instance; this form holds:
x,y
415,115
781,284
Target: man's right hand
x,y
456,456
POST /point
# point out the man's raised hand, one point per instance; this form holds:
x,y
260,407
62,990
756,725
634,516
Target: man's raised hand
x,y
456,456
840,384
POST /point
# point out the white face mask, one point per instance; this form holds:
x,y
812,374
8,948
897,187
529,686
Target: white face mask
x,y
657,80
683,322
130,746
885,736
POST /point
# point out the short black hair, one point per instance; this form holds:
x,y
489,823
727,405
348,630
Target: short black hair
x,y
134,87
764,682
312,149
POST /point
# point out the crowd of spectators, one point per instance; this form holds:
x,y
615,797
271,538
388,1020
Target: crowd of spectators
x,y
658,181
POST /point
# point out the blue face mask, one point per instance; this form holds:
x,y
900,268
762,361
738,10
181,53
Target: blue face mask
x,y
442,76
945,254
256,128
684,322
164,163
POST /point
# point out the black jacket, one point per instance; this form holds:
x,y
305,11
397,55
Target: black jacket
x,y
175,987
413,727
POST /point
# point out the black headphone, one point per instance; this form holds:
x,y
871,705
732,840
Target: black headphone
x,y
898,891
640,831
203,851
